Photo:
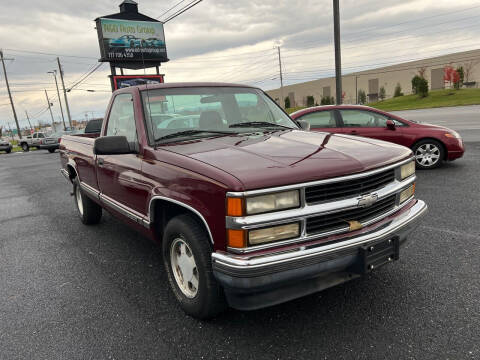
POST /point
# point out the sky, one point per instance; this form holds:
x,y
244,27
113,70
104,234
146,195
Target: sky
x,y
221,40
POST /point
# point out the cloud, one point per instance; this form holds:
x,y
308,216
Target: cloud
x,y
225,40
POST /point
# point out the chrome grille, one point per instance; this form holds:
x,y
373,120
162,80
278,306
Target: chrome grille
x,y
348,188
339,220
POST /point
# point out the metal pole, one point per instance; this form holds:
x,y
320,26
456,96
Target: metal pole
x,y
64,92
29,123
338,57
282,100
10,95
50,108
356,89
54,72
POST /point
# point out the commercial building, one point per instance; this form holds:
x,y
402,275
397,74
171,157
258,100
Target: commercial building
x,y
372,80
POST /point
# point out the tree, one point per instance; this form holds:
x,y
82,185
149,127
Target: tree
x,y
287,102
422,71
382,94
451,76
422,89
461,74
398,91
415,83
362,97
310,100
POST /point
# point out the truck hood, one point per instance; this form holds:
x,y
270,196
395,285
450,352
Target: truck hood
x,y
268,159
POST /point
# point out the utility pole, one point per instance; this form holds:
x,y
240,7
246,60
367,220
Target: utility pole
x,y
50,108
64,92
338,57
54,72
282,100
29,121
10,95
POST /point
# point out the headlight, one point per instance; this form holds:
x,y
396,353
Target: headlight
x,y
407,193
407,170
242,238
263,203
275,233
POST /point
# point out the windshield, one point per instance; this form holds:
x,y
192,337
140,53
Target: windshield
x,y
194,112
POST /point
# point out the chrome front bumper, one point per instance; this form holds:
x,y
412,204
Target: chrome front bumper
x,y
252,281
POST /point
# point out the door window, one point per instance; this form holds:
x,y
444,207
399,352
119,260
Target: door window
x,y
34,136
320,119
121,121
359,118
41,136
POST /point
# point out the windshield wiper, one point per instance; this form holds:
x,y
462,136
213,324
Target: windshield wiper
x,y
261,124
191,132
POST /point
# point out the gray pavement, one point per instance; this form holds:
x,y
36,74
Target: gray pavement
x,y
463,119
68,291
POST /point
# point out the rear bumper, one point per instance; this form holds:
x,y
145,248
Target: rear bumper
x,y
49,146
252,282
5,147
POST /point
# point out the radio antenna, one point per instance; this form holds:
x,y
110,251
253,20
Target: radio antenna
x,y
148,102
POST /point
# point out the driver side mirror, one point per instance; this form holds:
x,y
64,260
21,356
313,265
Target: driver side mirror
x,y
304,125
390,125
112,145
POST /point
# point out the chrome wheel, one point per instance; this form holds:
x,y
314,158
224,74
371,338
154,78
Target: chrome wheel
x,y
184,267
427,155
78,197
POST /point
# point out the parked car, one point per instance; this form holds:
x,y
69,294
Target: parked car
x,y
431,144
33,140
52,142
5,145
249,209
125,41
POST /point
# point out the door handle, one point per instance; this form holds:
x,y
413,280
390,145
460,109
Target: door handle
x,y
100,162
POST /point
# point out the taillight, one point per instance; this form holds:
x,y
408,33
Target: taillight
x,y
59,139
41,142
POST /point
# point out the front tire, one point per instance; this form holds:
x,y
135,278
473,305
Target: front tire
x,y
25,147
8,151
51,151
187,260
89,211
429,154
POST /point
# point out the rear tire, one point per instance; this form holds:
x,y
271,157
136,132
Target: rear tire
x,y
429,154
186,245
25,147
8,151
89,211
51,151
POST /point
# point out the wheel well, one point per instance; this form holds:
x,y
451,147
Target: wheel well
x,y
445,154
164,211
72,173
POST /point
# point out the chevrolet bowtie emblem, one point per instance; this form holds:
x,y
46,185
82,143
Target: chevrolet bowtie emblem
x,y
355,225
367,200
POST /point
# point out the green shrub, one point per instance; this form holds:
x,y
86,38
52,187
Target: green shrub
x,y
422,88
287,102
362,97
398,91
415,83
382,94
310,101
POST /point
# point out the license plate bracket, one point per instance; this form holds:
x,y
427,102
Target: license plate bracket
x,y
377,254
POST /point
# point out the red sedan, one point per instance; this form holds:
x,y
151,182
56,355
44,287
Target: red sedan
x,y
431,144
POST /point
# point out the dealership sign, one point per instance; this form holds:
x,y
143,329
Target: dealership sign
x,y
130,40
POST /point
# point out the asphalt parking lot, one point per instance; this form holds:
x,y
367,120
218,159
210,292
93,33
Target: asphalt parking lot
x,y
68,291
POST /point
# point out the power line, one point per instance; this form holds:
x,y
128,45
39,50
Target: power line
x,y
173,7
50,54
182,10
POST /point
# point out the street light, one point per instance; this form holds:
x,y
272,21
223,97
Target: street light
x,y
54,72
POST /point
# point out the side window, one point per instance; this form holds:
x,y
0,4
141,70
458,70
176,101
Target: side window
x,y
360,118
320,119
121,121
34,136
41,136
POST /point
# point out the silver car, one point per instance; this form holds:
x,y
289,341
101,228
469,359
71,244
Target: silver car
x,y
5,145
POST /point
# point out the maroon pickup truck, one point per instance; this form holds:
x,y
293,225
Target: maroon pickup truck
x,y
250,209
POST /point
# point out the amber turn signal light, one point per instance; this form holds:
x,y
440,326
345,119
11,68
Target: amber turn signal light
x,y
235,206
236,238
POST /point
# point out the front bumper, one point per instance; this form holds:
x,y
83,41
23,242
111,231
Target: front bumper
x,y
5,147
255,281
